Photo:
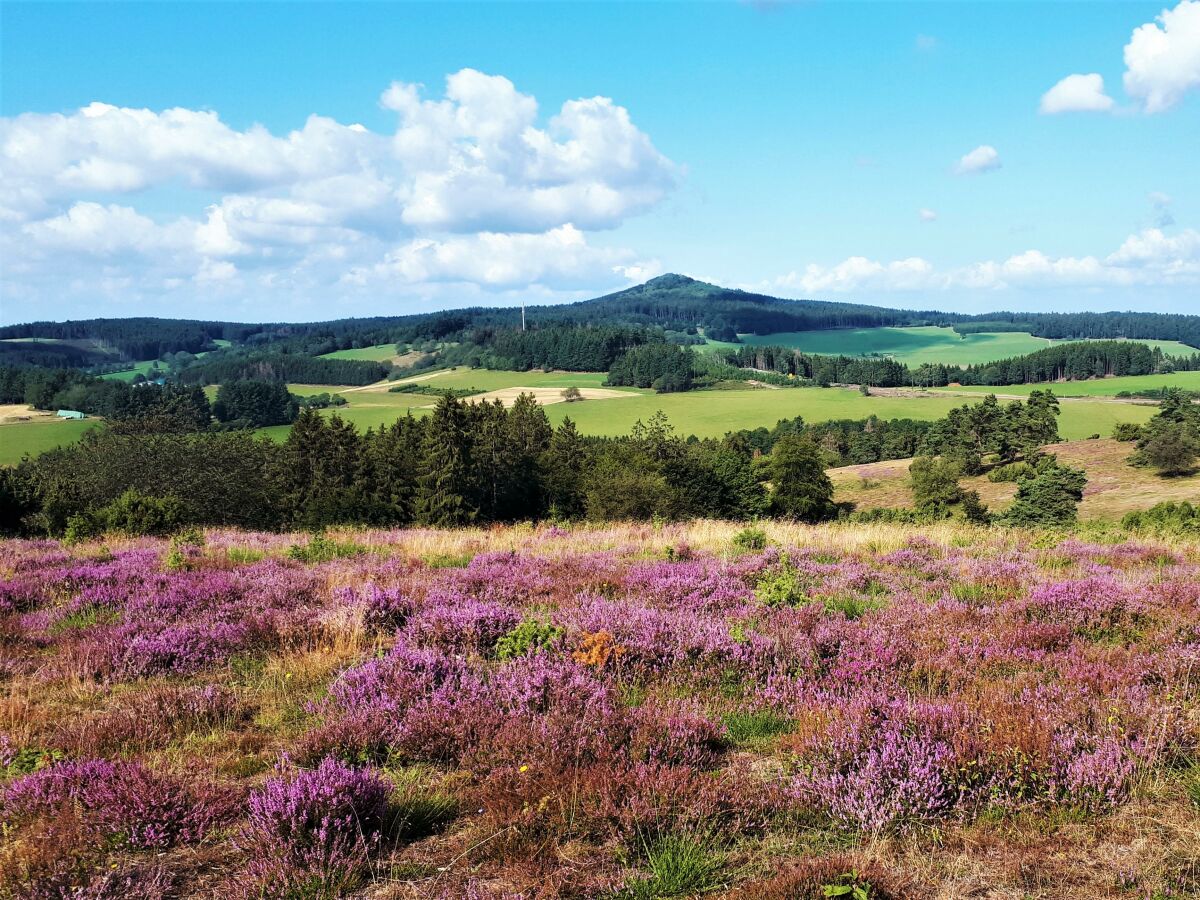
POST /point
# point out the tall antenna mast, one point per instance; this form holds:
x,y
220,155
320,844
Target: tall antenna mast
x,y
522,316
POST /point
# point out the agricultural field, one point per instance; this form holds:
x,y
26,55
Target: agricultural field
x,y
378,353
620,712
135,369
925,344
38,435
1099,387
703,413
1114,487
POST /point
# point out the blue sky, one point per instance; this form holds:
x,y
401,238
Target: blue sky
x,y
306,161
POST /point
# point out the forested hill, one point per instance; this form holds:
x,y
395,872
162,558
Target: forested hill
x,y
670,302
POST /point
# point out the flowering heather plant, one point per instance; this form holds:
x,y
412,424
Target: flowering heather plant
x,y
147,809
579,701
315,828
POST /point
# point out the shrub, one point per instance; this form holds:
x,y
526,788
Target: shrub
x,y
529,637
312,833
1165,519
1127,432
322,548
783,588
750,539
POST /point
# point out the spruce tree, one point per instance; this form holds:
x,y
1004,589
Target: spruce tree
x,y
444,485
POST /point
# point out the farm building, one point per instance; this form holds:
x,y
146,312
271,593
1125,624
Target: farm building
x,y
71,414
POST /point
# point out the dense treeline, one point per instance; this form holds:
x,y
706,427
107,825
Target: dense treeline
x,y
283,367
1092,325
1073,361
255,404
478,463
665,367
577,349
823,370
137,338
462,464
1076,361
844,442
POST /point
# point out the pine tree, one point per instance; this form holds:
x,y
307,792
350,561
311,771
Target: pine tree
x,y
443,487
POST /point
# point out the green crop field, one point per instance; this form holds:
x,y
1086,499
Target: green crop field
x,y
704,413
38,436
491,380
378,353
926,344
1100,387
135,369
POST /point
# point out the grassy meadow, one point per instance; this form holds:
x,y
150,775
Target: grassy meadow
x,y
703,413
37,436
924,344
1099,387
378,353
1114,487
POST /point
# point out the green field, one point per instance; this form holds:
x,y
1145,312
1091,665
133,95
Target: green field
x,y
1100,387
378,353
925,344
135,369
703,413
490,380
38,436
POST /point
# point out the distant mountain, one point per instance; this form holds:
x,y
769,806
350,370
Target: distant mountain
x,y
673,302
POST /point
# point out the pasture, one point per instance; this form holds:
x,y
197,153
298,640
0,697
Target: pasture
x,y
378,353
925,344
703,413
1098,387
37,436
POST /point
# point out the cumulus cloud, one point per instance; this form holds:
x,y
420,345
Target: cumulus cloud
x,y
1162,63
1162,58
462,179
983,158
1076,93
560,258
1148,258
926,215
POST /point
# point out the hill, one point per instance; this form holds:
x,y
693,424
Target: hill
x,y
1114,487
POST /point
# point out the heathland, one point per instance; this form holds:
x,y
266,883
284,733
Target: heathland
x,y
627,712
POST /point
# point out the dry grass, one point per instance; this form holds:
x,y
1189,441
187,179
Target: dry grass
x,y
1114,487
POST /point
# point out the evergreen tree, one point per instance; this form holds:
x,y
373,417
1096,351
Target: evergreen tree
x,y
443,487
800,487
563,463
1049,499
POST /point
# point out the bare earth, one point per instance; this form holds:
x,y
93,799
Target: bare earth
x,y
19,412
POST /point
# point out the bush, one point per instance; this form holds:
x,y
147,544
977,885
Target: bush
x,y
133,513
1165,519
529,638
322,548
312,834
1127,432
1051,499
750,539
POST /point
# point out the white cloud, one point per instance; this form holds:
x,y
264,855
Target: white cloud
x,y
558,258
926,43
471,185
1148,258
983,158
1162,58
1076,93
926,215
